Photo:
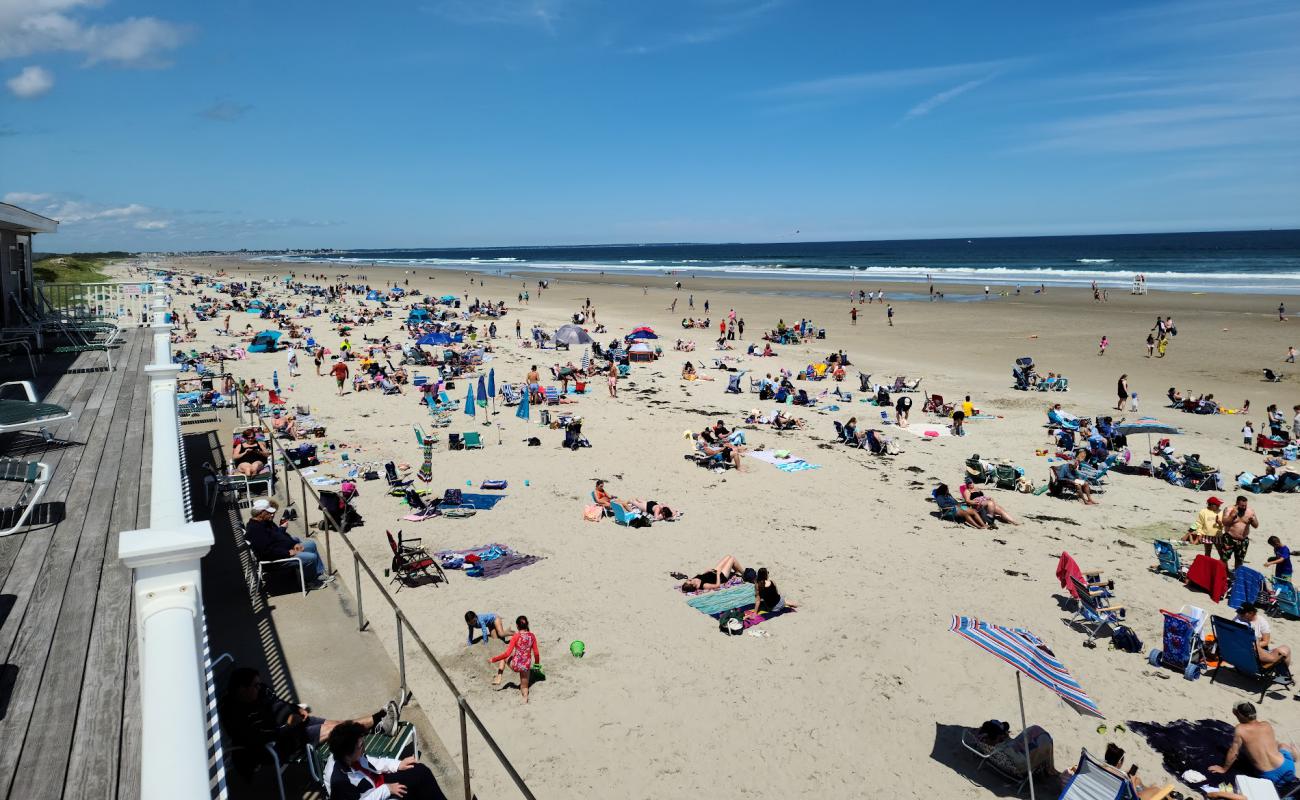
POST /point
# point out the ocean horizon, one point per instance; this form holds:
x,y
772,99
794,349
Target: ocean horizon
x,y
1256,262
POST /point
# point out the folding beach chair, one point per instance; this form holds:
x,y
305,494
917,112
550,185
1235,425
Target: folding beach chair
x,y
411,561
733,383
1006,476
1092,614
1170,562
552,396
621,515
864,381
1057,487
257,575
1286,601
1008,758
420,510
472,440
1271,376
401,744
1235,642
1093,780
396,485
1181,647
34,477
978,471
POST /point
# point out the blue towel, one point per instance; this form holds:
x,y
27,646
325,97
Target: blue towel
x,y
714,603
483,502
1246,586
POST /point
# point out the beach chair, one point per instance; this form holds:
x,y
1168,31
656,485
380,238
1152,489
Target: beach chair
x,y
1093,780
978,471
28,414
420,510
1235,642
1092,614
1181,648
411,561
864,382
510,395
934,404
402,743
1006,476
624,370
1008,758
34,477
948,514
899,385
1247,587
1170,562
552,396
621,515
733,383
1286,601
260,567
904,386
472,440
395,483
1057,487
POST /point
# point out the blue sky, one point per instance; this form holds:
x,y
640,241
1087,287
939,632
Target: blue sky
x,y
152,125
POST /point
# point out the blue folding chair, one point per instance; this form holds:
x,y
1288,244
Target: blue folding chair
x,y
1236,644
1285,598
621,515
1171,563
1093,780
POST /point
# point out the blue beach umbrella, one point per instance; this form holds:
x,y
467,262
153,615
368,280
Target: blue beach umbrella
x,y
1027,654
470,410
482,392
492,388
522,411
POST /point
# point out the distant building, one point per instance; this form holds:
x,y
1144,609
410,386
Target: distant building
x,y
17,226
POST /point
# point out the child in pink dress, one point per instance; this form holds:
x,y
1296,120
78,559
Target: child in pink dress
x,y
520,653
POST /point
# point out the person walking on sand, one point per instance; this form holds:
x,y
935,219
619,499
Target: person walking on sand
x,y
853,314
612,375
1161,345
319,358
340,373
1121,389
292,358
1281,312
1101,351
740,328
1151,344
889,314
520,654
673,307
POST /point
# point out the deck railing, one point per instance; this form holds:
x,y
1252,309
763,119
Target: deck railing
x,y
246,410
168,601
127,302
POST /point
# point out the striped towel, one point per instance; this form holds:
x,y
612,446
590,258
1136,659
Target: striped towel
x,y
716,602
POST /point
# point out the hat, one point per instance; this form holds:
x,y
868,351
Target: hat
x,y
1214,501
261,505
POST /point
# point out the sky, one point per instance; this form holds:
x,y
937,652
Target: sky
x,y
443,123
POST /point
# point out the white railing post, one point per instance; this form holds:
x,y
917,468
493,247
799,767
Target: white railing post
x,y
168,592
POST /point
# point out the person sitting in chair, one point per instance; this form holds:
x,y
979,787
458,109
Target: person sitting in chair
x,y
1067,474
271,542
961,512
249,455
1279,657
353,775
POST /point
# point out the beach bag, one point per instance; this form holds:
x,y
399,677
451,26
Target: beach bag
x,y
452,497
533,441
724,622
892,449
593,513
1125,639
638,522
498,485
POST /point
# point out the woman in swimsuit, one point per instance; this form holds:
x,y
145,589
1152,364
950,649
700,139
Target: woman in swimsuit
x,y
249,454
767,600
653,509
715,578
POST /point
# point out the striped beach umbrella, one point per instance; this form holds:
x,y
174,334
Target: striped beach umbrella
x,y
1029,656
426,467
586,360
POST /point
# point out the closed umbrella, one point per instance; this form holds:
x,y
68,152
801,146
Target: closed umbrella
x,y
483,398
492,388
275,379
426,466
1027,654
470,410
586,360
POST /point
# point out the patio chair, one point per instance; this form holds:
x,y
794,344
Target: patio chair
x,y
261,566
402,743
1236,645
1008,758
1093,780
34,477
412,561
1092,614
1170,561
28,414
472,440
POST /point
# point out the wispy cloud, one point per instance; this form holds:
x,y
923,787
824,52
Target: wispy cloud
x,y
934,101
542,14
225,111
1186,127
859,83
31,82
705,23
29,27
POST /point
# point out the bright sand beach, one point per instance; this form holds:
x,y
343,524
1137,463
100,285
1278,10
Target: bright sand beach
x,y
861,691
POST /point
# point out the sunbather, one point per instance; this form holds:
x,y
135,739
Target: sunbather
x,y
717,577
782,422
652,509
734,437
989,508
249,455
718,452
767,599
962,512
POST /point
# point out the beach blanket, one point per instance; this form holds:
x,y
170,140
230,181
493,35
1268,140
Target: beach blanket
x,y
925,431
1183,744
791,464
1210,574
483,502
496,559
733,596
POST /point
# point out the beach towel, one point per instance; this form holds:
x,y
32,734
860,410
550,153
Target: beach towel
x,y
1210,574
791,464
1066,569
1246,586
731,597
483,502
926,431
1187,744
495,560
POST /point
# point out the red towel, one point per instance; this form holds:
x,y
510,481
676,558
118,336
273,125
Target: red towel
x,y
1210,574
1068,568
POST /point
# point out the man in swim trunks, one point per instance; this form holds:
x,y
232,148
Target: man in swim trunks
x,y
1257,738
1235,539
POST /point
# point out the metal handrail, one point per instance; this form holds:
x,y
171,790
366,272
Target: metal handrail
x,y
359,564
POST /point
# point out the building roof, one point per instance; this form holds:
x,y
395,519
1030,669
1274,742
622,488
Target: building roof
x,y
20,220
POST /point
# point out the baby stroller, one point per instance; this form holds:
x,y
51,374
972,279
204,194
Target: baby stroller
x,y
1023,373
1183,648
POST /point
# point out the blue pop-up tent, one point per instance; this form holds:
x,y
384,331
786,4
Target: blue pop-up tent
x,y
265,342
439,339
418,316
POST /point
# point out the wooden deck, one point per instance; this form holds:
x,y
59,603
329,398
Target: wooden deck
x,y
69,709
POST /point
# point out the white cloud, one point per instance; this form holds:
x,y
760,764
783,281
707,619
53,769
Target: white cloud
x,y
934,101
26,198
28,27
31,82
879,80
527,13
153,224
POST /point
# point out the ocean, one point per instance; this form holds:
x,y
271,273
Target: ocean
x,y
1258,262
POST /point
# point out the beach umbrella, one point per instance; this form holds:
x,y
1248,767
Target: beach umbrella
x,y
1029,656
426,467
470,409
482,397
275,379
522,411
492,388
1148,426
586,360
572,334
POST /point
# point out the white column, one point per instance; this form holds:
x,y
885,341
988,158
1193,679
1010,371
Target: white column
x,y
169,616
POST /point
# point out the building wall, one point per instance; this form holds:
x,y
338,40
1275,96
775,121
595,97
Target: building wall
x,y
15,273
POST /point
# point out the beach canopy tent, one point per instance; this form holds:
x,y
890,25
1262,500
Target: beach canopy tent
x,y
372,295
256,305
1148,426
418,315
1027,654
265,342
641,351
439,338
447,298
641,333
572,334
